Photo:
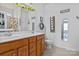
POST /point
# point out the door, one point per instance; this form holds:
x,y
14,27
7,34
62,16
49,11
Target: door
x,y
39,45
43,44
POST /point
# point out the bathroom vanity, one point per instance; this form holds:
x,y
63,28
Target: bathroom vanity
x,y
23,45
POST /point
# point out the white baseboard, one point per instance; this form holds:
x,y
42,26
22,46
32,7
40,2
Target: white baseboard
x,y
64,47
67,48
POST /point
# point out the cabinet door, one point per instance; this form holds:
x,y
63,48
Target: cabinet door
x,y
38,50
9,53
43,44
32,46
33,53
40,44
39,47
23,51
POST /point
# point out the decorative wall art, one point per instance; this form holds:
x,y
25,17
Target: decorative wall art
x,y
12,23
52,24
65,11
41,25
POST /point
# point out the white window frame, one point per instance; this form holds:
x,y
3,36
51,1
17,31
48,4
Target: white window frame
x,y
65,30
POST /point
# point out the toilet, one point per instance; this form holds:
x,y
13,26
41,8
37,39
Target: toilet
x,y
49,43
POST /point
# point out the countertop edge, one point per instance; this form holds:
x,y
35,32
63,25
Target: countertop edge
x,y
18,38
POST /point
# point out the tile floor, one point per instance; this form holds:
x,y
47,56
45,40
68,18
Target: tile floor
x,y
55,51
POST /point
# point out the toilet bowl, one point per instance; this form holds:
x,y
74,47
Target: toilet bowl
x,y
49,43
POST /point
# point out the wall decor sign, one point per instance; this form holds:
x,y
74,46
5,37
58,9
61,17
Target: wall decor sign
x,y
65,11
52,24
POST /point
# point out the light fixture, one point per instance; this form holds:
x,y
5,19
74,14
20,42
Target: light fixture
x,y
25,7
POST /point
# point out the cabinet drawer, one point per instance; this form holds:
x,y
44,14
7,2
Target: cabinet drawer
x,y
39,37
43,35
21,42
32,39
7,46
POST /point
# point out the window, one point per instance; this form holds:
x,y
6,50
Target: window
x,y
65,30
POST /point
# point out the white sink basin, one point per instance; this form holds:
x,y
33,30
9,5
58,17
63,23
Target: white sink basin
x,y
5,34
17,34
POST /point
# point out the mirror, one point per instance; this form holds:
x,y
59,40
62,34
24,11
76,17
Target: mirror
x,y
9,17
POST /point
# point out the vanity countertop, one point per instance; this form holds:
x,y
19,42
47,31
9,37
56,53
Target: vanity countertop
x,y
18,36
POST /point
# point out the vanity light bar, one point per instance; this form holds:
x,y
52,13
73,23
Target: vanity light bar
x,y
25,7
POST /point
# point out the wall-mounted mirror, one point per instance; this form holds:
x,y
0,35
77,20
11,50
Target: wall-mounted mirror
x,y
7,21
8,17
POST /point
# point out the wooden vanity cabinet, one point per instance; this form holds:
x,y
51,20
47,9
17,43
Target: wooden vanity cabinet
x,y
31,46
